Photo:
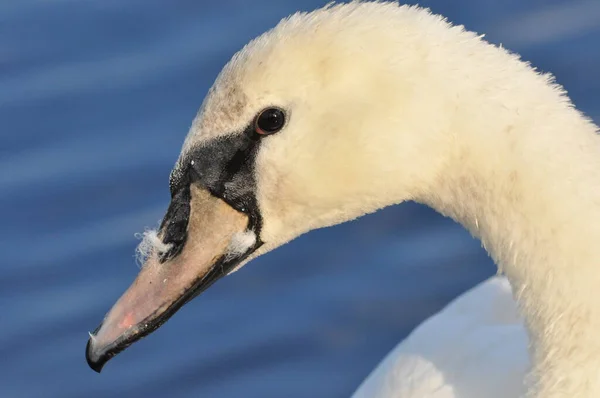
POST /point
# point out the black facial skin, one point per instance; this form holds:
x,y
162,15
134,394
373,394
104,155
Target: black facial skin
x,y
225,167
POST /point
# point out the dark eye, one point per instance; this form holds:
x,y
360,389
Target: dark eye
x,y
269,121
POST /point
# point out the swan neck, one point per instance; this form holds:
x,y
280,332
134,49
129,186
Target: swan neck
x,y
532,195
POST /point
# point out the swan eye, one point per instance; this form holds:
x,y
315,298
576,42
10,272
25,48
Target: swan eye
x,y
269,121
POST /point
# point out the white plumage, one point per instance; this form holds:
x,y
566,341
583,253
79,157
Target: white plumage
x,y
475,347
390,103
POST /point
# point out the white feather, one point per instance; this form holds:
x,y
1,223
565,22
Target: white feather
x,y
150,243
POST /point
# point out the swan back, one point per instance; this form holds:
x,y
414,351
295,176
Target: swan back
x,y
475,347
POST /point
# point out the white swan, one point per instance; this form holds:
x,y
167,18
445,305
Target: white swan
x,y
342,111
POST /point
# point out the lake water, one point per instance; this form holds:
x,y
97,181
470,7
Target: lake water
x,y
95,100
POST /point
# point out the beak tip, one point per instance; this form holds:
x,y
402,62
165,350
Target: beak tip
x,y
94,360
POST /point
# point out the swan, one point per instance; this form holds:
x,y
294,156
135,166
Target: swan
x,y
342,111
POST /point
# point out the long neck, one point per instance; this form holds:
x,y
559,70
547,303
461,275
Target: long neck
x,y
530,190
482,138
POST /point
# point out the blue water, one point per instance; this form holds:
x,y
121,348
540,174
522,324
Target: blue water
x,y
95,100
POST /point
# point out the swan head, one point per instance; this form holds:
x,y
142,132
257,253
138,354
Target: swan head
x,y
297,133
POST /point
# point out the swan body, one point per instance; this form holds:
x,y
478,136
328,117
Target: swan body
x,y
475,347
370,104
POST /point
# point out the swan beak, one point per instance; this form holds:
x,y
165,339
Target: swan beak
x,y
165,285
